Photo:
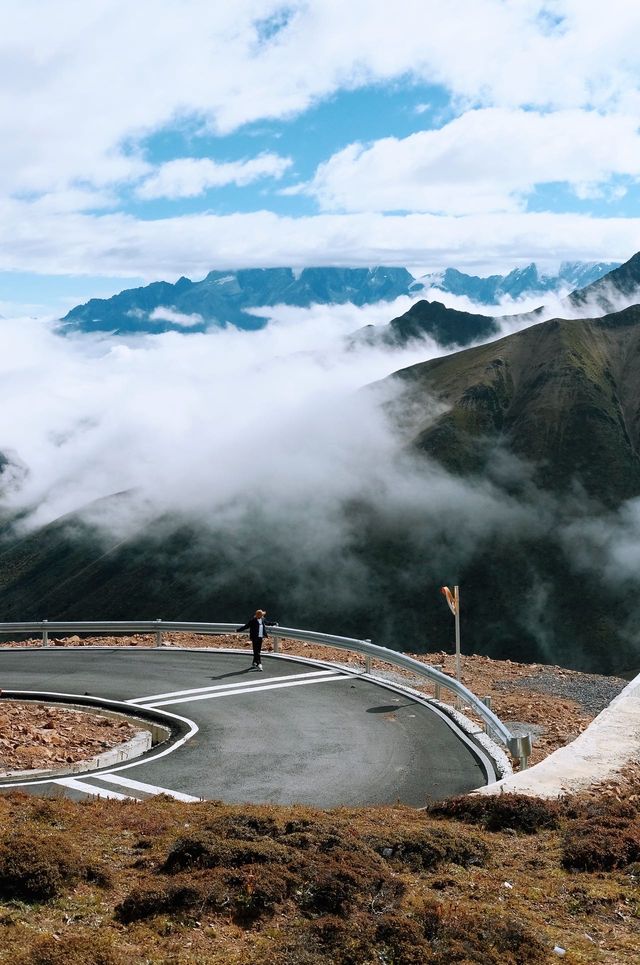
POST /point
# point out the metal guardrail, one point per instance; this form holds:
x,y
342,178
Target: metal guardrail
x,y
518,746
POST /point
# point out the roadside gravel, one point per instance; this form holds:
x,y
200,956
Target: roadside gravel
x,y
592,692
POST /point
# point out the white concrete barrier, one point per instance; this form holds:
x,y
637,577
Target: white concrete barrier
x,y
609,744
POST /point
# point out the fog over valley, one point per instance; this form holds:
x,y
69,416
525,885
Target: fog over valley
x,y
186,475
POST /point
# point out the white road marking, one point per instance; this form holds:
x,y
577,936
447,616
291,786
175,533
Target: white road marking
x,y
246,690
90,789
146,788
250,684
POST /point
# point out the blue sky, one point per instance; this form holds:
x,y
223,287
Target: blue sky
x,y
152,140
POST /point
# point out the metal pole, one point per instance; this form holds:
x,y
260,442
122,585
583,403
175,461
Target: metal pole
x,y
45,634
487,701
456,596
367,660
158,634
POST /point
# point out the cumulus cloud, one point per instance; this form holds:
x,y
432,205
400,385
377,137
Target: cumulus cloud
x,y
190,177
484,161
217,66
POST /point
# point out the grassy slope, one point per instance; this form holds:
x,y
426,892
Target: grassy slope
x,y
485,881
563,394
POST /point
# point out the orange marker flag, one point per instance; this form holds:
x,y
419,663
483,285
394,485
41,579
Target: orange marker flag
x,y
449,597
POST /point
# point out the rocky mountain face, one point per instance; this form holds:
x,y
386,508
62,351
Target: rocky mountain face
x,y
227,297
520,282
451,328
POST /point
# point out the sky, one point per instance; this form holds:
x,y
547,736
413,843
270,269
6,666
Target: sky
x,y
154,139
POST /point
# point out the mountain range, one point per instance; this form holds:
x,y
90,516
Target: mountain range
x,y
233,297
545,422
451,328
520,282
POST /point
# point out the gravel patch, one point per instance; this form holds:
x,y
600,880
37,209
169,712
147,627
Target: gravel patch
x,y
591,691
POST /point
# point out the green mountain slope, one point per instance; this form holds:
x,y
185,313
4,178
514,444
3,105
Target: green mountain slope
x,y
563,394
446,326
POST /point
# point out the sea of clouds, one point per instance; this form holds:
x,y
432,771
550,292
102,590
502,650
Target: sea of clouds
x,y
262,437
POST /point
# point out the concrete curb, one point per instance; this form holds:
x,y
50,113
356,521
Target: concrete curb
x,y
609,744
139,744
152,732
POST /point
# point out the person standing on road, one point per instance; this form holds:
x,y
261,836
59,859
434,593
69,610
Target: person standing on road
x,y
257,627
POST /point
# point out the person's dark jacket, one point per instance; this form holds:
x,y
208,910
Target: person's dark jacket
x,y
253,627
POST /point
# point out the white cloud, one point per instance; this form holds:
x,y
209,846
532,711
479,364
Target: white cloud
x,y
163,314
485,160
83,83
111,410
189,177
120,245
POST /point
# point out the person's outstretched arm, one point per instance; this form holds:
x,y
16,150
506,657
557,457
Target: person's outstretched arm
x,y
245,627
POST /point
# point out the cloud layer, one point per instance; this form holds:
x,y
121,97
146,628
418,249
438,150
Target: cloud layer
x,y
543,91
484,161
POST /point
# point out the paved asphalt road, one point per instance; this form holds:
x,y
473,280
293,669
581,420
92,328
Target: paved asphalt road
x,y
299,732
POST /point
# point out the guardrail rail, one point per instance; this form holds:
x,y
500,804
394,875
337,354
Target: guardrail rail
x,y
518,746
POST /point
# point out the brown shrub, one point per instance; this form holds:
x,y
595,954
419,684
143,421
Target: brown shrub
x,y
244,826
400,940
423,848
148,901
74,950
513,812
589,846
456,935
254,891
336,887
246,894
209,851
35,865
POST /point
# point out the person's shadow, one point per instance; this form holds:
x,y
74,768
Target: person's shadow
x,y
232,673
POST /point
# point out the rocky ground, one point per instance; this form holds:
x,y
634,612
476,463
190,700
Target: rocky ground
x,y
553,703
51,737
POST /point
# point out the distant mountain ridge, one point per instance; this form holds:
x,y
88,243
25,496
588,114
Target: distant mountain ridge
x,y
520,282
225,297
228,297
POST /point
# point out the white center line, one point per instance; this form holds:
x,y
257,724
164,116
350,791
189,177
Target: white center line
x,y
147,788
250,684
246,690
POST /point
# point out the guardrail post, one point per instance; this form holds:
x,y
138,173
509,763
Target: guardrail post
x,y
45,633
487,701
276,643
367,660
520,747
436,690
158,634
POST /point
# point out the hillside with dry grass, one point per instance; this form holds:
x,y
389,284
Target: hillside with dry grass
x,y
500,880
